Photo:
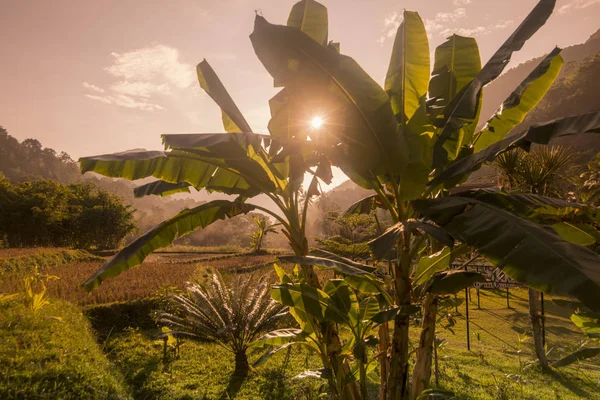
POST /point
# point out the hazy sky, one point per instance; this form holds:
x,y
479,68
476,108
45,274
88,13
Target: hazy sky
x,y
99,76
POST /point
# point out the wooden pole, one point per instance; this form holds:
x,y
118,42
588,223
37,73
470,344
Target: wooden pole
x,y
543,322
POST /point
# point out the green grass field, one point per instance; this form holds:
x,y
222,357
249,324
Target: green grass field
x,y
55,354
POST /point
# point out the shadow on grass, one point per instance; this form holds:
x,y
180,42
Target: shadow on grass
x,y
236,380
567,382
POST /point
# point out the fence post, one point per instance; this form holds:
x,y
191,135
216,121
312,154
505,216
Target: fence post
x,y
467,315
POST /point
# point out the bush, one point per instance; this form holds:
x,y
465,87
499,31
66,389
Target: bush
x,y
46,213
53,355
345,247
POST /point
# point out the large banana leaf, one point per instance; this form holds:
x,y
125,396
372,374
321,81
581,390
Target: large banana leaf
x,y
309,300
463,107
451,282
161,188
527,252
457,63
521,101
539,134
408,73
385,242
535,207
579,355
165,234
311,18
233,120
356,109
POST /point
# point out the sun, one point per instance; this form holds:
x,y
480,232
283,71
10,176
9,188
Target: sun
x,y
317,122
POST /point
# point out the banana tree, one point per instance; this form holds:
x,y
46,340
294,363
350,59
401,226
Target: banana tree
x,y
415,139
263,228
239,163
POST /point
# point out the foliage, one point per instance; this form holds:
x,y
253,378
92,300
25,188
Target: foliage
x,y
591,184
47,213
544,170
28,160
35,290
394,140
232,315
53,355
345,247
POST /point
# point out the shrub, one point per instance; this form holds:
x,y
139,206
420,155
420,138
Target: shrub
x,y
233,316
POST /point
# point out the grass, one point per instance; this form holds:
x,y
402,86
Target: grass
x,y
203,371
53,355
498,366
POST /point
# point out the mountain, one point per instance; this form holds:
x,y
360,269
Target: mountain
x,y
497,91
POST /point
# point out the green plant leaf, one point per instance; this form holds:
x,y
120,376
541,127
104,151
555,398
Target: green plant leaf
x,y
522,100
322,80
391,313
526,252
539,134
579,355
432,264
320,253
575,233
278,337
457,63
165,234
588,323
536,207
310,300
233,120
161,188
463,107
311,18
407,77
451,282
344,298
382,244
337,264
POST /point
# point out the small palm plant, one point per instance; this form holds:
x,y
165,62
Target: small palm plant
x,y
263,228
231,315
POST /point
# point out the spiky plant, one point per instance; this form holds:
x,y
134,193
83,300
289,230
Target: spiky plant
x,y
231,315
544,170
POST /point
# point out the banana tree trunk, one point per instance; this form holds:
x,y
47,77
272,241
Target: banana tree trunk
x,y
331,337
397,384
384,361
422,371
536,324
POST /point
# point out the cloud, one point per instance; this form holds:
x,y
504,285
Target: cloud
x,y
125,101
149,63
461,2
577,5
435,25
141,89
142,75
93,88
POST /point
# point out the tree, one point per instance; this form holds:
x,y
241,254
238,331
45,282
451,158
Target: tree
x,y
47,213
244,164
414,140
263,228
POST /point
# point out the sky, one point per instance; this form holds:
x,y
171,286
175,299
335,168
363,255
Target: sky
x,y
94,77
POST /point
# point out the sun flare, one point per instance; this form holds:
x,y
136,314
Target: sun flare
x,y
317,122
